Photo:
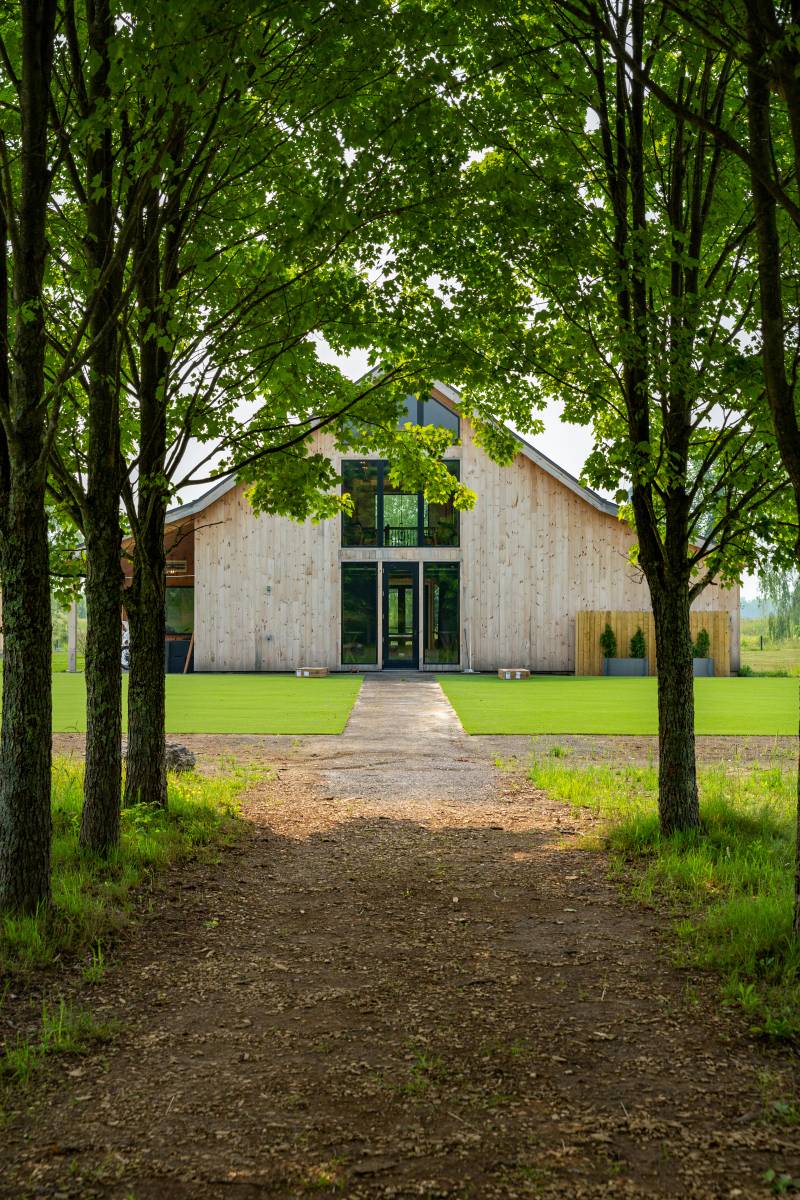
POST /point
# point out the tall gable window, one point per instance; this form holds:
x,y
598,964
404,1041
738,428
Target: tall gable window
x,y
361,480
385,515
430,412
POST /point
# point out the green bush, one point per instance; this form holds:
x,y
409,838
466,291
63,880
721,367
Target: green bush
x,y
702,647
638,647
608,642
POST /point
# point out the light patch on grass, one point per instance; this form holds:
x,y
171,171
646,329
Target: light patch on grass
x,y
93,897
730,887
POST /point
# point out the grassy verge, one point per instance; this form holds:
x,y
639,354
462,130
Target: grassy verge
x,y
93,897
729,889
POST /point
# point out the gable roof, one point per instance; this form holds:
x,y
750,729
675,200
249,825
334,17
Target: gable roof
x,y
452,394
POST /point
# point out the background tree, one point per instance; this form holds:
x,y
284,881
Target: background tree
x,y
299,140
760,37
628,226
27,420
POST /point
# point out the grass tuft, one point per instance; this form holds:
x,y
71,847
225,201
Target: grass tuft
x,y
65,1029
730,886
93,897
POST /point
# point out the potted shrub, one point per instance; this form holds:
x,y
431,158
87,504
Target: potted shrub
x,y
703,663
636,664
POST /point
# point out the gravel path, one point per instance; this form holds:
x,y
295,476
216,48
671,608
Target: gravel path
x,y
411,979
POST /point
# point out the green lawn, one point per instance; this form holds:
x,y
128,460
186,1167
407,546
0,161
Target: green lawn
x,y
553,704
230,703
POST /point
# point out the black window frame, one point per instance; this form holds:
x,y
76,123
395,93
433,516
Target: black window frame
x,y
436,567
363,569
454,467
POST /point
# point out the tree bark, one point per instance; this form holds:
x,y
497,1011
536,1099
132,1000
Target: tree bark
x,y
25,748
103,779
146,774
778,386
678,803
25,742
102,795
156,260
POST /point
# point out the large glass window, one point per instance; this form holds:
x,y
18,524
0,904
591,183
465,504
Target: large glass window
x,y
179,610
400,515
442,635
440,521
430,412
361,481
385,515
360,613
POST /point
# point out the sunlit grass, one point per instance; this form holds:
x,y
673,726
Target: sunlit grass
x,y
222,703
729,889
600,705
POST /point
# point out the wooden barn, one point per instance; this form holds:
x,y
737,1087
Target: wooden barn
x,y
407,584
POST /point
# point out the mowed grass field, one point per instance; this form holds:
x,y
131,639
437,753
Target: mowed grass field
x,y
558,704
229,703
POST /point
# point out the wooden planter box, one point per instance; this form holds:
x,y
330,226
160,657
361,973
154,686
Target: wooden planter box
x,y
624,666
703,667
513,673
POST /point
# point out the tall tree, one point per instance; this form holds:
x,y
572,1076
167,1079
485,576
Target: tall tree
x,y
26,429
760,37
308,143
629,228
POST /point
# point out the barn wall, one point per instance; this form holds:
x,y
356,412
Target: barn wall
x,y
539,554
533,554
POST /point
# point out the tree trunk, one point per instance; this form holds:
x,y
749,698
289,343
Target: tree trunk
x,y
26,738
678,804
780,388
103,779
796,915
146,774
25,747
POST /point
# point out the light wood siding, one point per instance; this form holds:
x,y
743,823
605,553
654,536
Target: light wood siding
x,y
589,626
533,555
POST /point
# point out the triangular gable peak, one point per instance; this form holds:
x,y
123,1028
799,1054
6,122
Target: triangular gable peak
x,y
450,398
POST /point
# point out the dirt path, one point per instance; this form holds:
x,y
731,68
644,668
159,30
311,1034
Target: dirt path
x,y
409,981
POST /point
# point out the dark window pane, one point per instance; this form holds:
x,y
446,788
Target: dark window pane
x,y
179,610
442,635
359,613
360,479
434,413
400,515
408,416
441,520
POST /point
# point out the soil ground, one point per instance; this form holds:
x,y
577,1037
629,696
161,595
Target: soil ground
x,y
410,979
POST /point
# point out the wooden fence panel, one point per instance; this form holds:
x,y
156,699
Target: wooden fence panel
x,y
589,626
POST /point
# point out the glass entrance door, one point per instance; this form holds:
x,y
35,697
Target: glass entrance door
x,y
400,614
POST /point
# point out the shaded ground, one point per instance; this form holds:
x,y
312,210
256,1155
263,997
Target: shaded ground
x,y
581,749
397,988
